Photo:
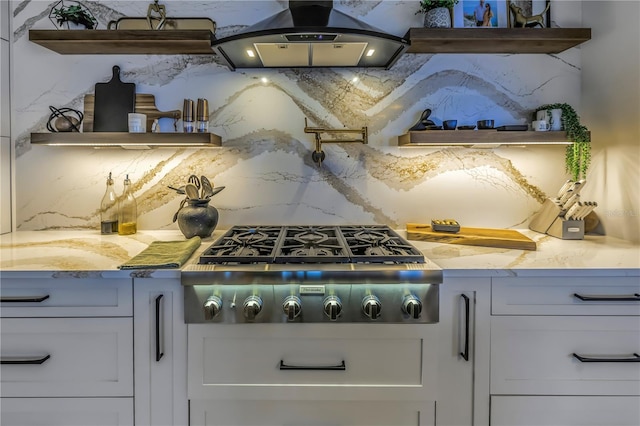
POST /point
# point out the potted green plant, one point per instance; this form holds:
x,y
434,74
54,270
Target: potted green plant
x,y
437,13
578,154
73,16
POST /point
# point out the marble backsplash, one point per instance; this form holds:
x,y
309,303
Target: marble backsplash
x,y
265,159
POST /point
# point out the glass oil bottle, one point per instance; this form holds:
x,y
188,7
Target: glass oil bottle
x,y
109,209
127,211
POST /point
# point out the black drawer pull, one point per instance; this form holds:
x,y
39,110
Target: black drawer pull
x,y
18,360
605,298
634,358
24,299
465,352
159,328
340,367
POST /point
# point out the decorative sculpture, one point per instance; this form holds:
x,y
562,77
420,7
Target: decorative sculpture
x,y
522,21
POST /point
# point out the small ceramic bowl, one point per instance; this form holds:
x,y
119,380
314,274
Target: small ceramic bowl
x,y
485,124
450,124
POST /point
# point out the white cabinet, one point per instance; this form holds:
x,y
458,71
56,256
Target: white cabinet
x,y
5,98
565,411
350,361
160,353
535,355
311,413
65,357
463,355
66,351
5,13
564,351
67,412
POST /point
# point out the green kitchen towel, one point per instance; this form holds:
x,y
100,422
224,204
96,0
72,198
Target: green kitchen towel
x,y
163,255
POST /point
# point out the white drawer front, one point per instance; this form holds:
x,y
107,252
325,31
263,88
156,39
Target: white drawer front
x,y
534,355
565,411
376,359
87,357
561,296
299,413
67,411
66,297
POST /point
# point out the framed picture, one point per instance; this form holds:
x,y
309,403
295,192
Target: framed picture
x,y
480,13
529,13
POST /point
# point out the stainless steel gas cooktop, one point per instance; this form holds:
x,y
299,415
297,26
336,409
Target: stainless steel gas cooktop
x,y
339,273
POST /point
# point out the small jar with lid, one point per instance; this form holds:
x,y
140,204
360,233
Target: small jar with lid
x,y
188,125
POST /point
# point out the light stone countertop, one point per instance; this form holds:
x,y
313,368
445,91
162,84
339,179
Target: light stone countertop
x,y
87,253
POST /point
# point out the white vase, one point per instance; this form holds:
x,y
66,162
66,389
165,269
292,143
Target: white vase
x,y
556,119
437,18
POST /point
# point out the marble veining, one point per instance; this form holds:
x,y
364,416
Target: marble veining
x,y
265,160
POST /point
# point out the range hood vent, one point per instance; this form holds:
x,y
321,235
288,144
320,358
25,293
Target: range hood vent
x,y
310,34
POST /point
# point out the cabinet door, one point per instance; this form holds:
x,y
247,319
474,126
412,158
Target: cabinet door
x,y
66,357
67,412
565,411
313,361
160,352
310,413
535,355
463,362
66,297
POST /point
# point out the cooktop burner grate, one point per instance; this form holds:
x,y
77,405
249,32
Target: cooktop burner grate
x,y
311,244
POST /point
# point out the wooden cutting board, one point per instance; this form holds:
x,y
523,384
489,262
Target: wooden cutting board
x,y
113,103
145,104
487,237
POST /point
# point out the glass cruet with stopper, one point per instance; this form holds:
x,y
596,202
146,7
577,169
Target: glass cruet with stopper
x,y
128,212
109,209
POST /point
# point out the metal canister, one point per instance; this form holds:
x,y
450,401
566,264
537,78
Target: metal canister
x,y
202,116
187,116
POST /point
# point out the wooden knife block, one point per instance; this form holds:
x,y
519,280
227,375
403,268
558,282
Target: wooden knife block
x,y
550,221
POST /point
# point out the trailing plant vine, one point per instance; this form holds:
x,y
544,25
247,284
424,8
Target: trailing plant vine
x,y
578,154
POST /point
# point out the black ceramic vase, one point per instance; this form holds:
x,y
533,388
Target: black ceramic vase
x,y
197,218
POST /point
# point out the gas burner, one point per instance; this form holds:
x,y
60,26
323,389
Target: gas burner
x,y
244,245
311,244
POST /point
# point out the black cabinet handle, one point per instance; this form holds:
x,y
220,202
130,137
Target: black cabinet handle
x,y
340,367
17,360
606,298
633,358
24,299
159,329
465,352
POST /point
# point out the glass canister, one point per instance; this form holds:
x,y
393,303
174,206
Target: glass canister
x,y
127,211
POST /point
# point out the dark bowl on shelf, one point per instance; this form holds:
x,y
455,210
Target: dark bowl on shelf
x,y
485,124
450,124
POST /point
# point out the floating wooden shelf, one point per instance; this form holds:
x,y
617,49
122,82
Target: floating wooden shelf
x,y
135,42
495,40
127,140
481,137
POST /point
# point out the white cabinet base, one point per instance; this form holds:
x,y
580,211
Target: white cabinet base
x,y
565,410
311,413
66,412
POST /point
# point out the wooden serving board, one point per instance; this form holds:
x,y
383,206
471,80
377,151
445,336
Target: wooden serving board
x,y
145,104
487,237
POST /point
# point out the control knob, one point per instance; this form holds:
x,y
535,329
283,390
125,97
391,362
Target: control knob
x,y
292,306
412,306
212,307
332,307
371,306
252,306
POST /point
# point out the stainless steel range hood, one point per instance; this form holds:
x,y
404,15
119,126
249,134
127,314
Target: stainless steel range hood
x,y
310,34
